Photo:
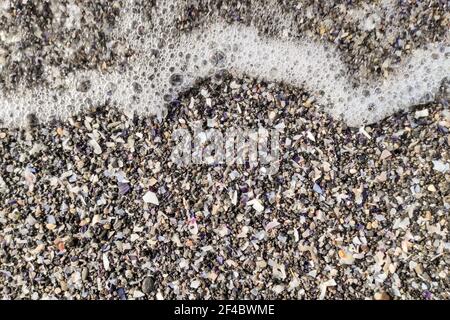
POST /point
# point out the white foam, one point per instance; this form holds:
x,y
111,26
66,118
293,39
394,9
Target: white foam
x,y
314,65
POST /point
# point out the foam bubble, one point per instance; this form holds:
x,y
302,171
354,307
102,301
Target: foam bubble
x,y
166,63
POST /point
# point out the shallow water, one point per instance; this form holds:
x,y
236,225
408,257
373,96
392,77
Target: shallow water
x,y
155,77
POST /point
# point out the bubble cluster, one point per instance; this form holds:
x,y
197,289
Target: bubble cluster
x,y
167,61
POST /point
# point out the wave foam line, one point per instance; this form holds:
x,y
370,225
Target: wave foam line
x,y
313,65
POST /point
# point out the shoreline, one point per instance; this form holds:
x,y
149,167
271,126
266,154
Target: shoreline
x,y
340,218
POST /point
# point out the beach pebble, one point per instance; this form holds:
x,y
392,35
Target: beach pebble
x,y
150,197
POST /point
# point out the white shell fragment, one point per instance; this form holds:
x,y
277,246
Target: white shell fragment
x,y
323,288
105,261
256,204
94,144
150,197
271,225
441,166
421,114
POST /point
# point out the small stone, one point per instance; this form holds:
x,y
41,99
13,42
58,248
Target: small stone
x,y
271,225
152,182
148,285
441,166
382,177
346,257
51,223
310,136
193,226
138,294
317,189
261,264
122,294
421,114
84,274
256,204
326,166
279,288
382,296
96,219
195,284
106,263
123,188
134,237
150,197
50,226
94,144
401,223
385,154
60,131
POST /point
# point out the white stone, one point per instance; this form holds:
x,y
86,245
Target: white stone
x,y
441,166
150,197
94,144
256,204
421,114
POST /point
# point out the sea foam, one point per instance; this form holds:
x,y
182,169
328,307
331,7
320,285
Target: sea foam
x,y
167,62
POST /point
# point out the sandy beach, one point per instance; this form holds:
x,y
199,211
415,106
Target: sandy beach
x,y
224,149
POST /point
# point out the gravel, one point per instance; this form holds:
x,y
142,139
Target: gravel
x,y
93,207
41,41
